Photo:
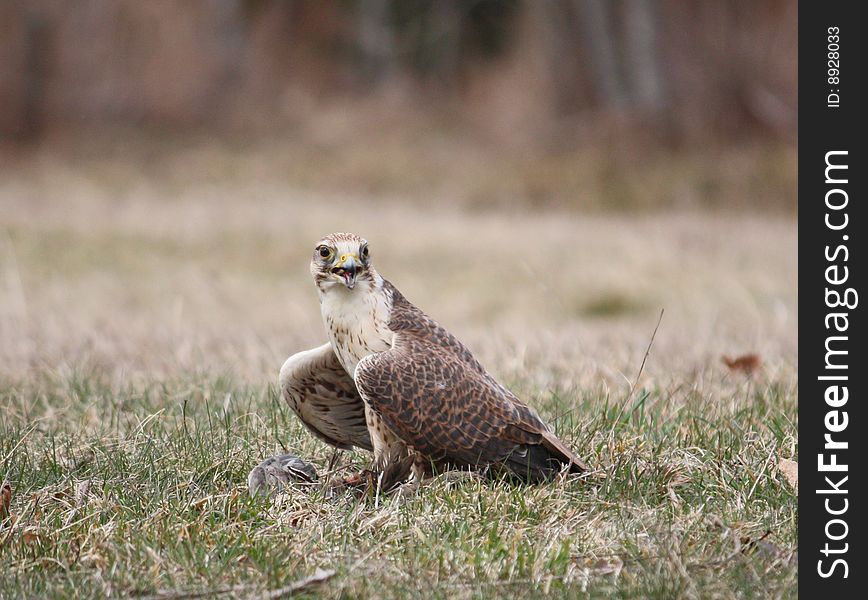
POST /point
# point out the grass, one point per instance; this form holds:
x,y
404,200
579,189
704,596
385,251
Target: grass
x,y
147,301
141,489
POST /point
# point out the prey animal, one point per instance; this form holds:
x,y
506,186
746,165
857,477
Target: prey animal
x,y
392,381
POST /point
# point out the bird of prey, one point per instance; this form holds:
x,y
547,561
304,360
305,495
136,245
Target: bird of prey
x,y
393,381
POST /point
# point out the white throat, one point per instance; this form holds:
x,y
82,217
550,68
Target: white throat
x,y
357,320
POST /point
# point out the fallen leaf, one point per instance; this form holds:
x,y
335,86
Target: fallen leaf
x,y
201,502
790,470
746,363
5,501
82,491
31,536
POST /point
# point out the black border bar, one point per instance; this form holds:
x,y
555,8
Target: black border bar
x,y
832,363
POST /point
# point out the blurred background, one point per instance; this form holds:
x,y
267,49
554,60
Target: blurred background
x,y
541,176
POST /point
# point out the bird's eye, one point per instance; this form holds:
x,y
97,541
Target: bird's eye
x,y
325,252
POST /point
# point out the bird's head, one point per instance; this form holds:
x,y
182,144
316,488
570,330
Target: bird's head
x,y
342,259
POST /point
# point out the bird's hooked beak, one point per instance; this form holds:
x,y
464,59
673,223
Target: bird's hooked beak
x,y
346,268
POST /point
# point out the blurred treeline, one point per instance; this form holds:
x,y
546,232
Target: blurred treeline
x,y
674,71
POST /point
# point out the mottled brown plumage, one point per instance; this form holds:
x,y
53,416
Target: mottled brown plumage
x,y
422,396
437,398
319,391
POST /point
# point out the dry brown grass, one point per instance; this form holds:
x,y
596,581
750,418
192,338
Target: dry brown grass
x,y
113,282
143,276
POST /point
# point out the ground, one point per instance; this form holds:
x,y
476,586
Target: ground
x,y
143,319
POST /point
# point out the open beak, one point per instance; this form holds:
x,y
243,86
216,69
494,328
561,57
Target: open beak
x,y
347,269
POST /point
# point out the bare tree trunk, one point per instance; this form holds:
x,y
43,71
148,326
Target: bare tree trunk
x,y
38,52
230,44
551,20
375,39
647,84
595,18
446,22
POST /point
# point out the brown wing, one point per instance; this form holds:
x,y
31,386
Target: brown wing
x,y
324,397
438,399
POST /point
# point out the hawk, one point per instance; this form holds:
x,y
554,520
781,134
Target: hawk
x,y
392,381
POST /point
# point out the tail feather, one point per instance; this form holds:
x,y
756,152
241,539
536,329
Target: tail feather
x,y
536,463
563,453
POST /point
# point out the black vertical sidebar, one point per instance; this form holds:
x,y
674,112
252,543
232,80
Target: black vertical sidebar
x,y
833,424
